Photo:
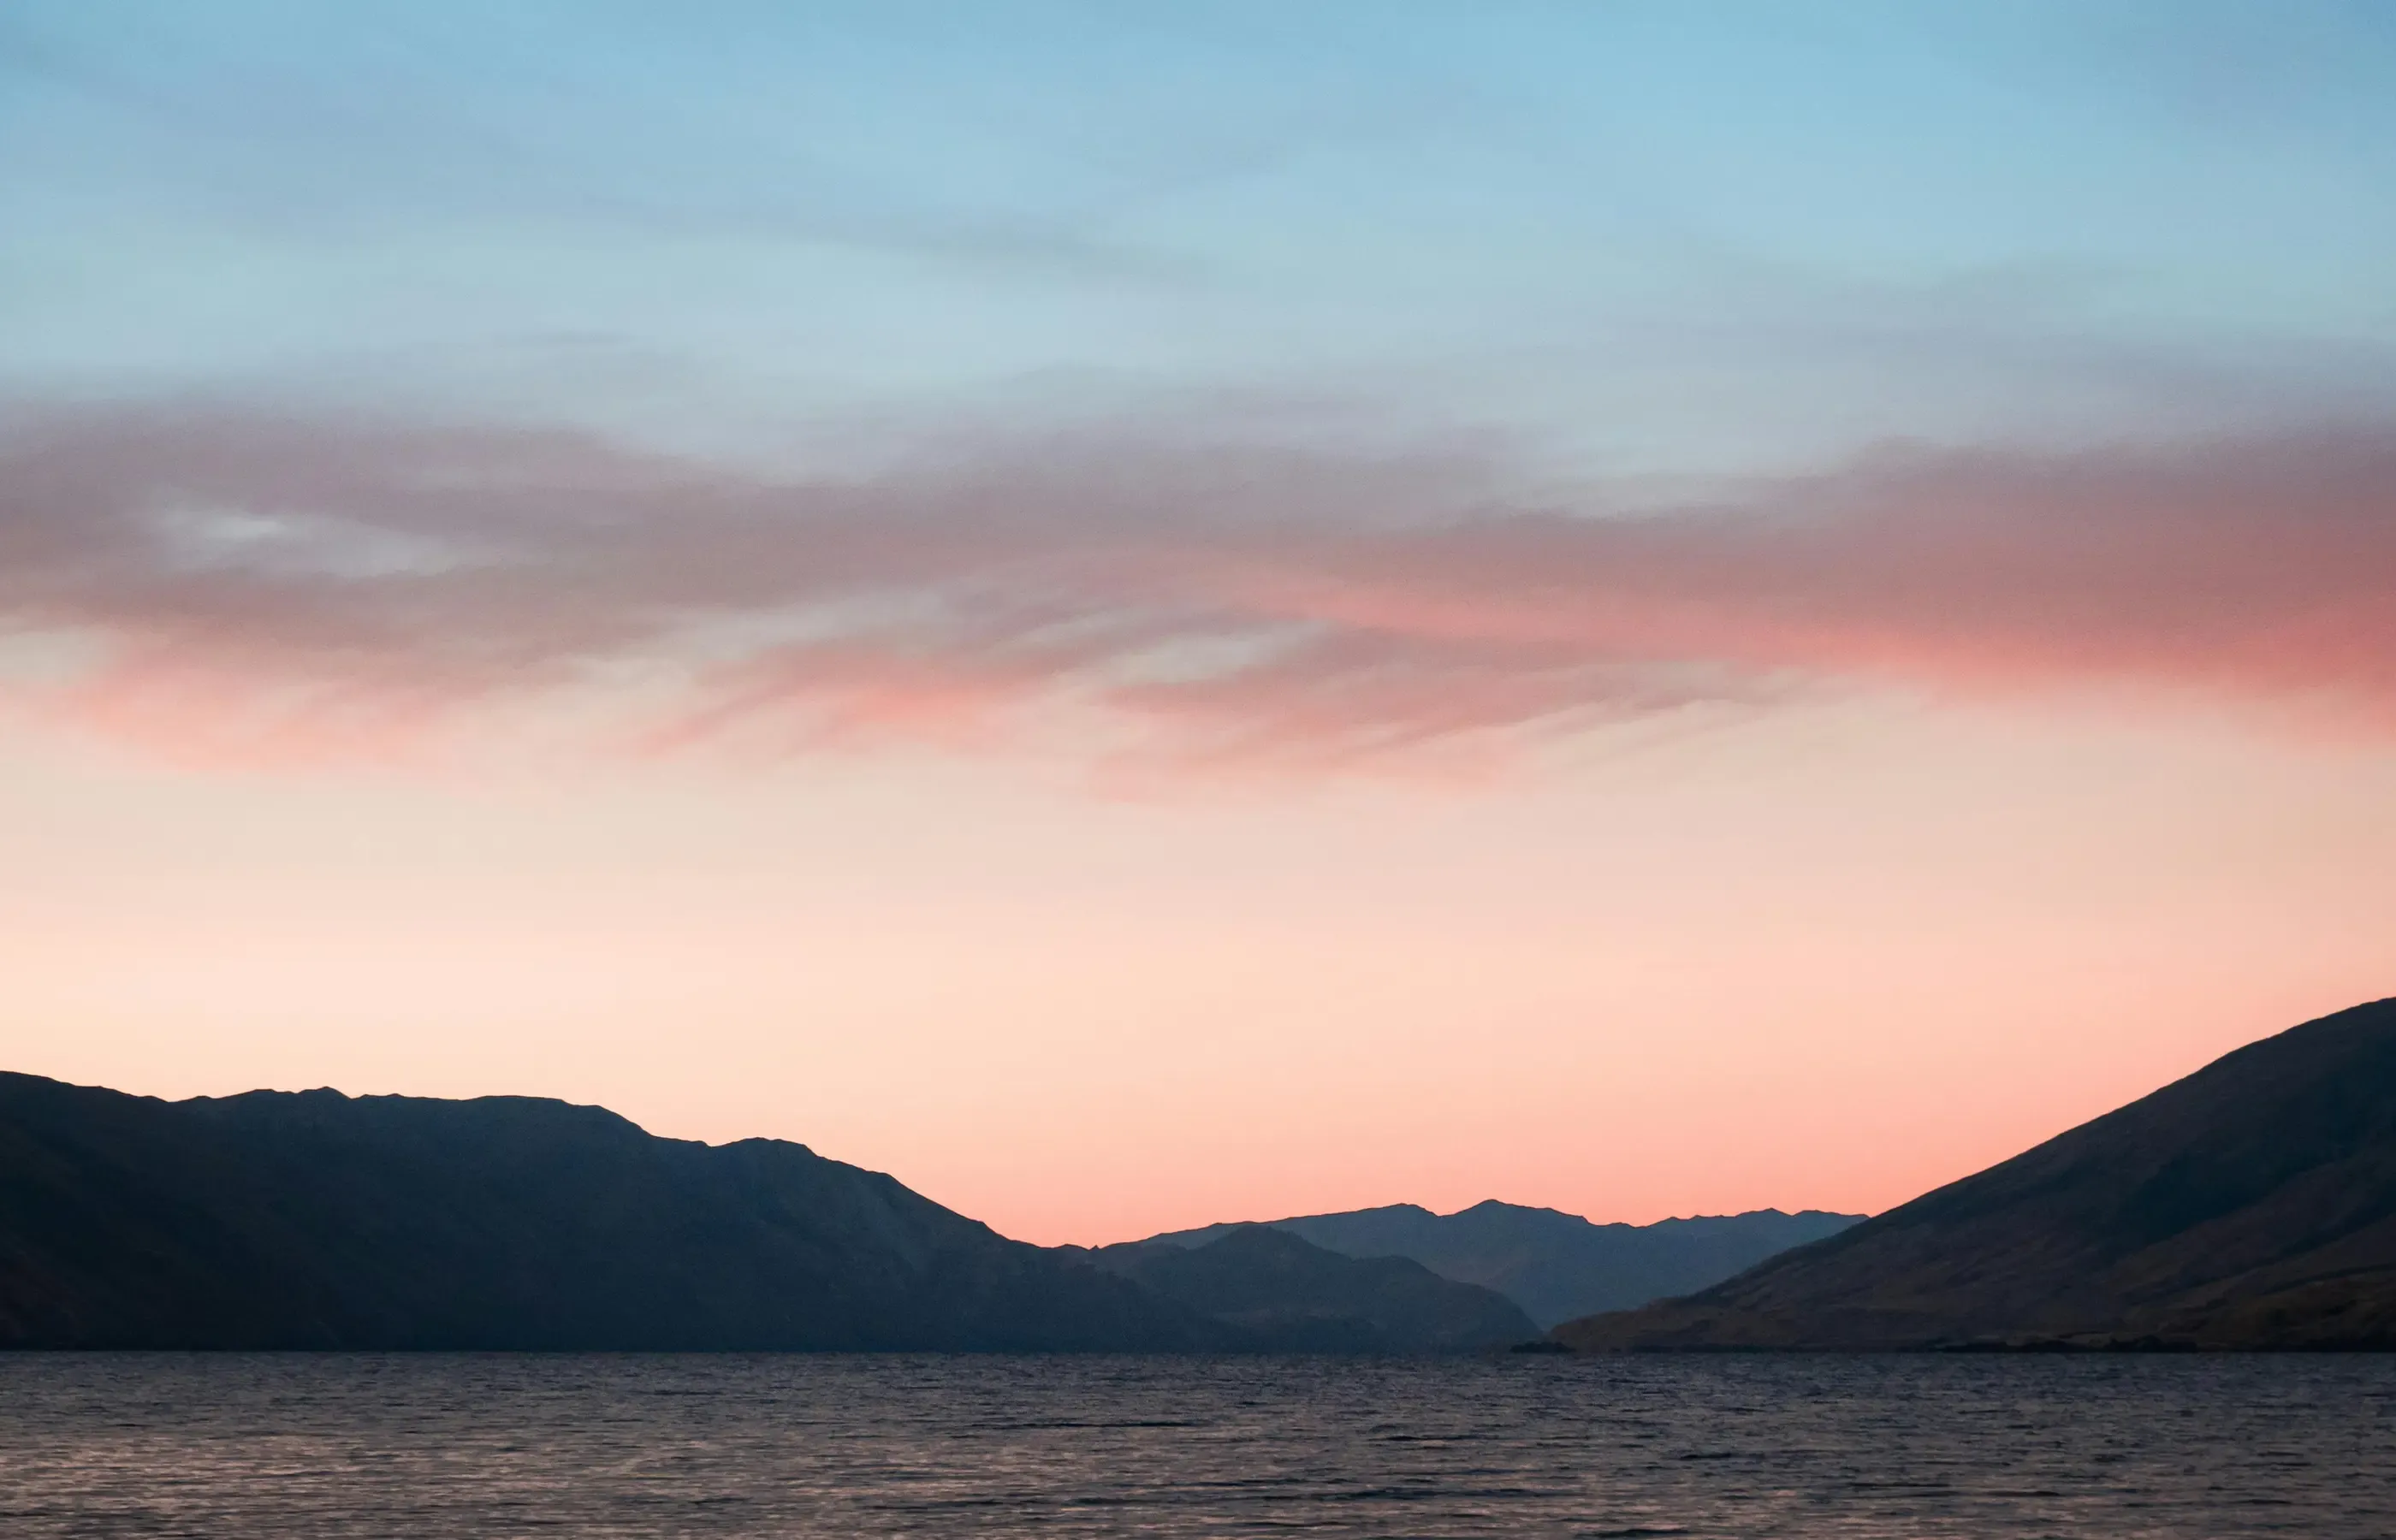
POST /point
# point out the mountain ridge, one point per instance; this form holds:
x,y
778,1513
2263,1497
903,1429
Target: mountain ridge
x,y
1300,1297
313,1219
2251,1205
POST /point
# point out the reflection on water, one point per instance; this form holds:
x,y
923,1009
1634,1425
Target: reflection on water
x,y
251,1447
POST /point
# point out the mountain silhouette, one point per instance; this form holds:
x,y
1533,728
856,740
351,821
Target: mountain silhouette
x,y
1555,1265
313,1219
2252,1204
1284,1292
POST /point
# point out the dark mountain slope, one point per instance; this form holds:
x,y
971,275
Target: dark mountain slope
x,y
2252,1204
316,1220
1558,1266
1283,1292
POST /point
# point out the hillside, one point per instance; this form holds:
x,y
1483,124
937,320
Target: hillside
x,y
318,1220
2252,1204
1556,1266
1286,1293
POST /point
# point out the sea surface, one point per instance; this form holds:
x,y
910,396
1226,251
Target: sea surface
x,y
251,1447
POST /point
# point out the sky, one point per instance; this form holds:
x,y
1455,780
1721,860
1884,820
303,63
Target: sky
x,y
1146,614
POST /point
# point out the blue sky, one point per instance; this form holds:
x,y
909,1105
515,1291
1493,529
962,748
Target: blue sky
x,y
1680,238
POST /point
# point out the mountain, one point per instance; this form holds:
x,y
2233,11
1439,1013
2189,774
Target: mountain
x,y
1556,1266
1283,1292
318,1220
2252,1204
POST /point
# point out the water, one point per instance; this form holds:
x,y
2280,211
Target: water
x,y
252,1447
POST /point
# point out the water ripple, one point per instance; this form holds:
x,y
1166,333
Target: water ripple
x,y
431,1447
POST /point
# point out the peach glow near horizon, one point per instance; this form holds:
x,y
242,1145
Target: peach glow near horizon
x,y
1144,615
1827,957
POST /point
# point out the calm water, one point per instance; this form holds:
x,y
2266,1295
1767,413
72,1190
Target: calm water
x,y
252,1447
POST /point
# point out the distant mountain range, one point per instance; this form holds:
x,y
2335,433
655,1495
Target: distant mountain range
x,y
2252,1204
1555,1265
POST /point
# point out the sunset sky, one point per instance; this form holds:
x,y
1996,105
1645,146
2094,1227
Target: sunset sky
x,y
1148,613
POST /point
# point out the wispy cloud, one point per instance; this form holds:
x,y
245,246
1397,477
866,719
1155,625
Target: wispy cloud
x,y
241,582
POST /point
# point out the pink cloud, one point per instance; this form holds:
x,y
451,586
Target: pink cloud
x,y
342,587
